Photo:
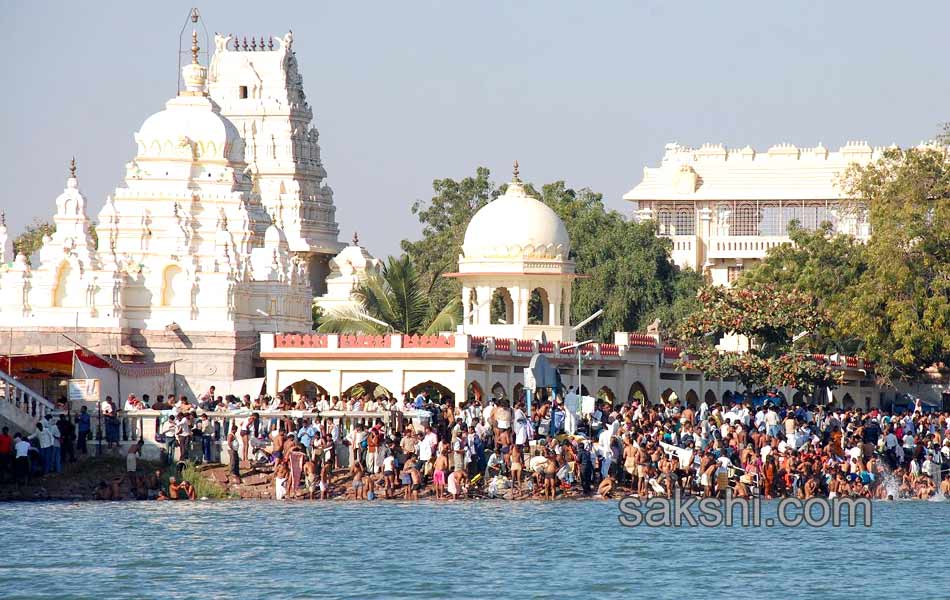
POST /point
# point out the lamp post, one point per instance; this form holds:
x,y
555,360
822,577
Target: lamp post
x,y
575,329
577,347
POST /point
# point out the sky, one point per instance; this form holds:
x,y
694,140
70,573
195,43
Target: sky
x,y
407,92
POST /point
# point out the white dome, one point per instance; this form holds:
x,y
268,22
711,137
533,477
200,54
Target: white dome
x,y
516,225
192,119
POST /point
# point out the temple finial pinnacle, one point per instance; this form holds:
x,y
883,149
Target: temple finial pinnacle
x,y
516,174
194,46
72,168
356,239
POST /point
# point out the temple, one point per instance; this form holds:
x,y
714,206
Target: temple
x,y
223,228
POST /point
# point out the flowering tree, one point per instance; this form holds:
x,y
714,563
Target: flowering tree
x,y
769,318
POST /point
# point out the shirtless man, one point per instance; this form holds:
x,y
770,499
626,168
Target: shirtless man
x,y
438,474
606,487
310,477
153,484
456,484
550,477
359,487
630,461
281,473
643,471
707,471
666,477
501,416
325,478
516,456
173,488
416,479
188,490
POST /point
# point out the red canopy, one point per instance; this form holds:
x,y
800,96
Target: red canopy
x,y
60,365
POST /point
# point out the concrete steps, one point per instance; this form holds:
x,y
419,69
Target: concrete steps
x,y
20,407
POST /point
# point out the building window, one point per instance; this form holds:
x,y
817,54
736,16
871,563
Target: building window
x,y
685,223
242,92
745,220
664,220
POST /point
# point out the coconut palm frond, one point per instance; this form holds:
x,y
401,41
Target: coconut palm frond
x,y
446,319
349,319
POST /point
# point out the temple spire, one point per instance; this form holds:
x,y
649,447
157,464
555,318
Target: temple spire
x,y
72,168
356,239
516,176
194,47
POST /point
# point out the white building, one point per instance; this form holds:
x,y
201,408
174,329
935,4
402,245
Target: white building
x,y
723,208
222,229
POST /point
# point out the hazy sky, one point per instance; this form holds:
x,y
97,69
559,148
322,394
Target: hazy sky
x,y
407,92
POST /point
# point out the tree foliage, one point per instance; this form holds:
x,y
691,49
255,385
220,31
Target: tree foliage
x,y
398,295
31,239
770,318
444,219
824,264
901,303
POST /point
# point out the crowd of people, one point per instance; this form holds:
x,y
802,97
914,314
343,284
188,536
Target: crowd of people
x,y
417,446
499,449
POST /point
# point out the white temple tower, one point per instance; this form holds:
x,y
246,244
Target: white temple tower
x,y
260,90
188,265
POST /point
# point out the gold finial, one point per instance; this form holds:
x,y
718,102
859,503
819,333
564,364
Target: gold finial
x,y
516,174
356,239
194,47
72,168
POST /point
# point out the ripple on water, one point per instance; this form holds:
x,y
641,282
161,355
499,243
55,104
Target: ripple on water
x,y
445,550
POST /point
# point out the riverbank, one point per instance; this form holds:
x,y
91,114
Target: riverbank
x,y
81,480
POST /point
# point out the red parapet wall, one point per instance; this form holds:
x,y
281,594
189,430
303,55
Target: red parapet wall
x,y
641,339
564,345
546,348
671,352
476,341
525,346
503,344
427,341
300,340
609,350
365,341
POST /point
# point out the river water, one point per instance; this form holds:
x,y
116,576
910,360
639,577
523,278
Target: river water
x,y
568,549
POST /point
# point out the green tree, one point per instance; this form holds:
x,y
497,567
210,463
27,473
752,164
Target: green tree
x,y
398,295
824,264
627,267
901,304
444,219
31,239
770,319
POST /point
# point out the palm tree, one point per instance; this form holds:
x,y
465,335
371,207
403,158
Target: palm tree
x,y
398,296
